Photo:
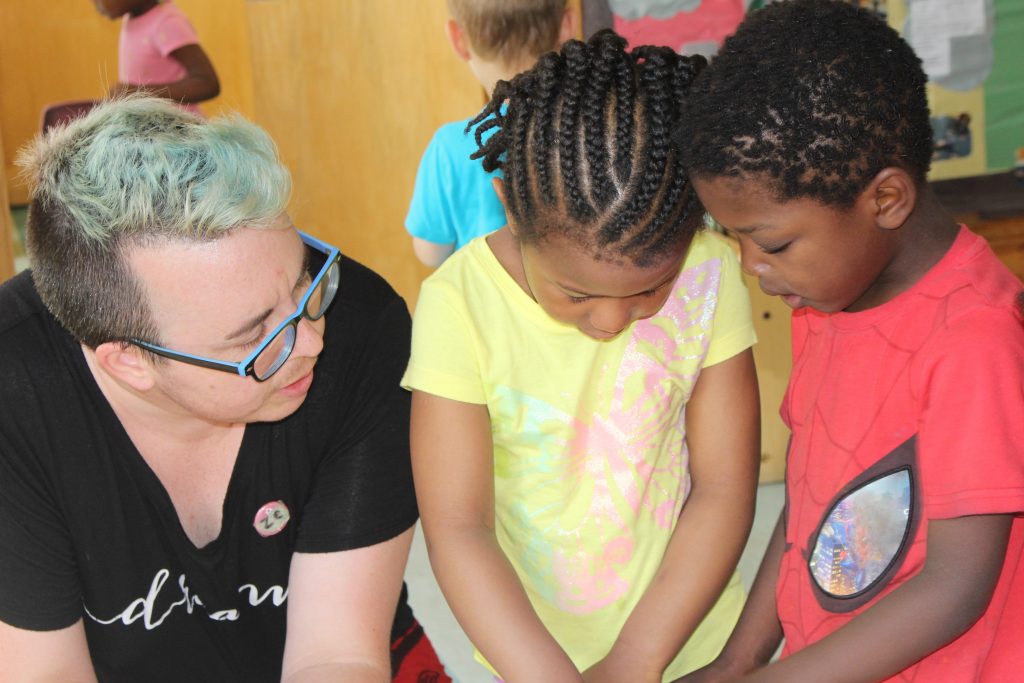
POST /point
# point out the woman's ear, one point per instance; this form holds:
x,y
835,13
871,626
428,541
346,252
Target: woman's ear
x,y
126,364
892,196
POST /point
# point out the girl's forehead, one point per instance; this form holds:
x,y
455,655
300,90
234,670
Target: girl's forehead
x,y
581,271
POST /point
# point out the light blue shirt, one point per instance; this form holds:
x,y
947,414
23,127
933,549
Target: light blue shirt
x,y
453,200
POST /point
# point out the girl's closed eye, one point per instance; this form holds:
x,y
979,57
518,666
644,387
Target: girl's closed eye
x,y
773,248
578,299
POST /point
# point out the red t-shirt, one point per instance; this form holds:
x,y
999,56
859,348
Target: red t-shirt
x,y
904,413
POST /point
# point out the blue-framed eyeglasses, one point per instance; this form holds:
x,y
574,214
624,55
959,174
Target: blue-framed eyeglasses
x,y
276,348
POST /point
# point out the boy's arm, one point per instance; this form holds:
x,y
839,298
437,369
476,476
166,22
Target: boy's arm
x,y
431,253
950,593
60,656
199,84
723,436
452,455
758,633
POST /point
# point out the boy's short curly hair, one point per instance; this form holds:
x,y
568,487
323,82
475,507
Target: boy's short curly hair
x,y
509,30
815,95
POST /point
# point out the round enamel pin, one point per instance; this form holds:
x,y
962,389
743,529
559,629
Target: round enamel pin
x,y
271,518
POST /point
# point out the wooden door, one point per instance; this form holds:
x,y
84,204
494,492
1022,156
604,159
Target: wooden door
x,y
6,230
352,92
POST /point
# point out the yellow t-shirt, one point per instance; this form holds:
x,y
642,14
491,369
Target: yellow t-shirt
x,y
590,457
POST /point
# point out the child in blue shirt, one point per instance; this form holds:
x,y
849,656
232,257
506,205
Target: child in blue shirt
x,y
453,200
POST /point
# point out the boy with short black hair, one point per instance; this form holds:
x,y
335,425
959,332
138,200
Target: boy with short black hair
x,y
453,200
897,557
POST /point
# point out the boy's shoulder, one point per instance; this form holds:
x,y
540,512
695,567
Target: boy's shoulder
x,y
975,283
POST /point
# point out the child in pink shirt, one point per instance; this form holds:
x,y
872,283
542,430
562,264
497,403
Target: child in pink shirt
x,y
159,52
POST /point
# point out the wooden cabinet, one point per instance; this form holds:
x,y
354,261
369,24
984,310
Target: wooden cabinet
x,y
773,356
1005,234
993,207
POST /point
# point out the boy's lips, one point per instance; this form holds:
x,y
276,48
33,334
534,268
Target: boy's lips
x,y
791,300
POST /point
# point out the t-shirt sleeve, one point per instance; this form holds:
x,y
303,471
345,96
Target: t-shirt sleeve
x,y
363,493
972,424
39,583
429,216
733,327
174,31
444,360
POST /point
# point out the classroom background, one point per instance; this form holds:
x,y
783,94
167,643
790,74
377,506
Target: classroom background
x,y
352,91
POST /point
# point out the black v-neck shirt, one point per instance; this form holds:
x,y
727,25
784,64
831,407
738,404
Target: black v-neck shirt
x,y
88,532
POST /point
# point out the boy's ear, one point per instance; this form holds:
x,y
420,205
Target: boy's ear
x,y
126,364
569,28
457,39
499,189
893,194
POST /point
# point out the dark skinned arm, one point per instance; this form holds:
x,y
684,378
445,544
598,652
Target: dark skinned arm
x,y
453,467
199,84
716,518
758,632
965,557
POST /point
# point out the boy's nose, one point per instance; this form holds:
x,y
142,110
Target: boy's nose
x,y
750,259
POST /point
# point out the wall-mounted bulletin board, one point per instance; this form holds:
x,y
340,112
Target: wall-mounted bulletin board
x,y
972,51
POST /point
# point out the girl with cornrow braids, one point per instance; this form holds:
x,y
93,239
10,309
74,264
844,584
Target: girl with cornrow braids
x,y
585,412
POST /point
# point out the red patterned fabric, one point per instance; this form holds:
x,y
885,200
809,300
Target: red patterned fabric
x,y
414,660
929,386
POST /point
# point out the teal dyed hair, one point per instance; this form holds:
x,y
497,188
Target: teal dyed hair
x,y
133,172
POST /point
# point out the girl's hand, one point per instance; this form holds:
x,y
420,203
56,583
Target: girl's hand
x,y
614,669
712,673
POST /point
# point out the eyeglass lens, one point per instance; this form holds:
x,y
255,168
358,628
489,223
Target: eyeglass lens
x,y
274,354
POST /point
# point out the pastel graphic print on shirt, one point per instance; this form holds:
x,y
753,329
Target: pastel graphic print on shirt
x,y
622,459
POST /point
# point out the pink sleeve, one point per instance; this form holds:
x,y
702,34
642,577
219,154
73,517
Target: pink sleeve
x,y
971,445
174,31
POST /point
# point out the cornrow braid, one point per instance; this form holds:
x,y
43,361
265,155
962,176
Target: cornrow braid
x,y
584,142
577,62
548,78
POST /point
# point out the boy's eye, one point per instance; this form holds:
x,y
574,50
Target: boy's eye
x,y
773,248
578,299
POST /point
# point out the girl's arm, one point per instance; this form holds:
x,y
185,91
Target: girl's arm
x,y
452,457
950,593
199,84
723,436
758,633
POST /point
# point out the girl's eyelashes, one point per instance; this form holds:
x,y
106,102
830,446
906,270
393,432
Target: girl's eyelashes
x,y
773,248
580,299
